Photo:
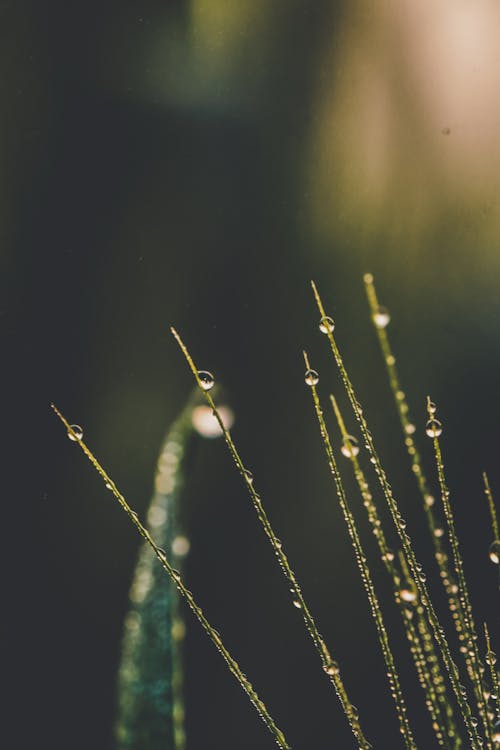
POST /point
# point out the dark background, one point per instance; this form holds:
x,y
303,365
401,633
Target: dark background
x,y
153,176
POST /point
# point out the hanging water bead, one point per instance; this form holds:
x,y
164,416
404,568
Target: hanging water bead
x,y
180,545
206,379
433,428
408,595
381,317
494,552
332,668
496,733
248,476
77,433
350,447
326,325
432,407
311,377
491,658
388,555
409,428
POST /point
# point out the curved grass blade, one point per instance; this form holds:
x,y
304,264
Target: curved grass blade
x,y
383,638
176,578
329,665
150,700
416,570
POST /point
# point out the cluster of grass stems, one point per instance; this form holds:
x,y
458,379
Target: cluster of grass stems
x,y
461,691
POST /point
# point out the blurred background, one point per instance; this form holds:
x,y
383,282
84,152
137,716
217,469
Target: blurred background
x,y
196,163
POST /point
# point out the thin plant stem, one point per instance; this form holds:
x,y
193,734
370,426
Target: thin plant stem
x,y
494,520
329,665
400,524
408,429
214,636
392,674
424,655
469,637
491,661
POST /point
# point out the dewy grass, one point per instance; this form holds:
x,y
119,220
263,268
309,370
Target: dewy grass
x,y
429,646
176,578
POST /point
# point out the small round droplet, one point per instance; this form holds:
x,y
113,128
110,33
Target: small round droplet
x,y
381,317
176,575
77,433
496,733
438,532
350,447
388,555
429,501
408,595
433,428
368,278
494,552
206,379
109,486
248,476
431,406
491,658
332,668
311,377
409,428
326,324
297,604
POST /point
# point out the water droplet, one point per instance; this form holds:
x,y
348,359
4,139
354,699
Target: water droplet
x,y
331,668
388,555
496,733
326,324
248,476
78,432
350,447
431,406
206,379
408,595
180,545
390,359
491,658
109,486
297,604
381,317
311,377
205,422
438,532
176,575
429,500
368,278
433,428
494,552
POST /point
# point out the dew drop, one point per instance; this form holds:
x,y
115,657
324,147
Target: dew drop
x,y
350,447
78,432
496,733
381,317
438,532
409,428
433,428
429,501
297,604
326,324
248,476
109,486
368,278
491,658
408,595
431,406
311,377
176,575
494,552
206,379
331,668
388,555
